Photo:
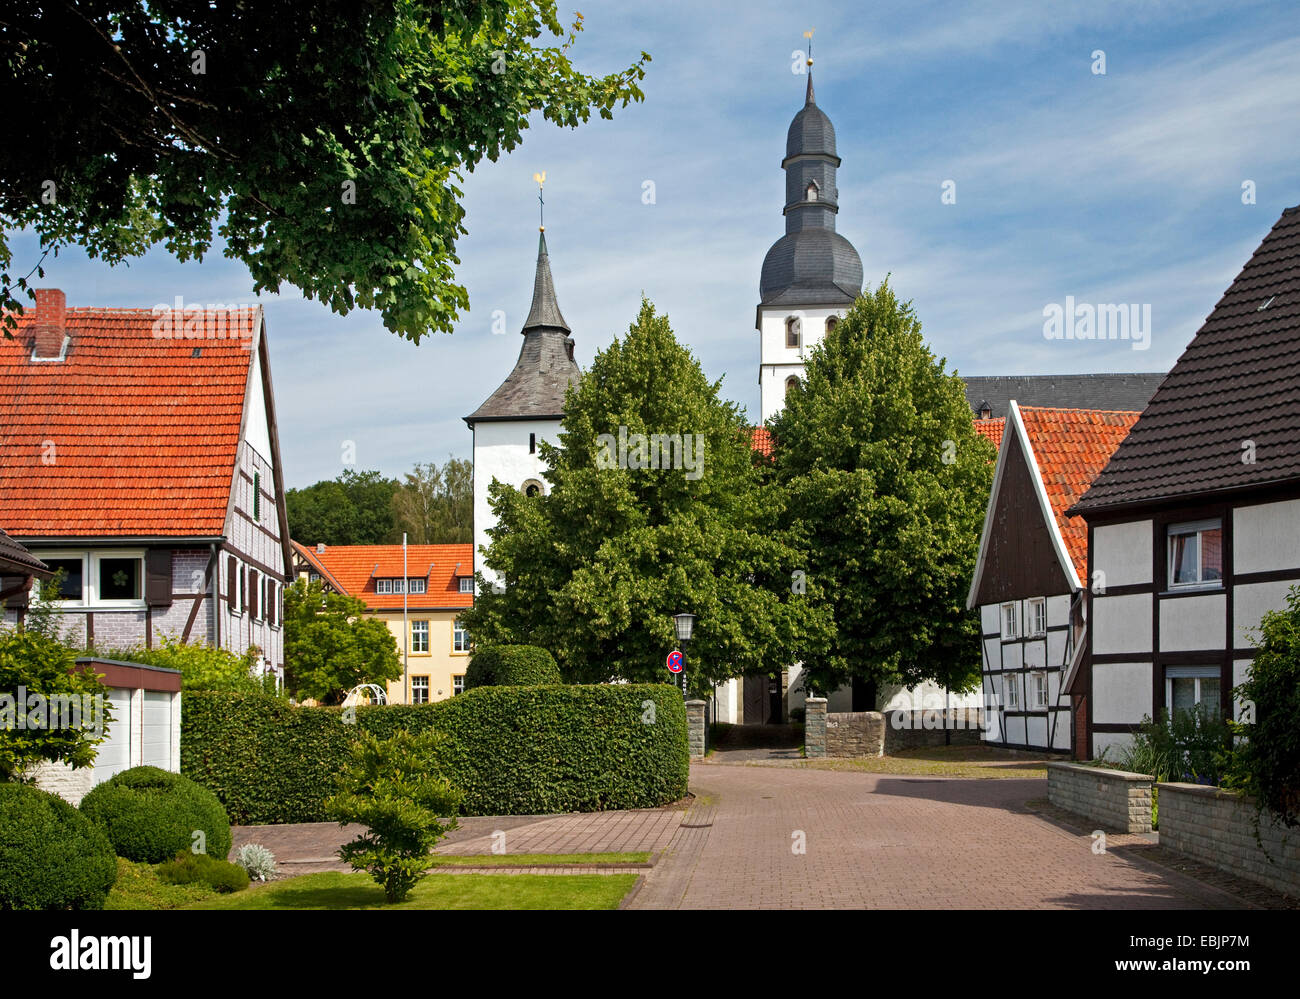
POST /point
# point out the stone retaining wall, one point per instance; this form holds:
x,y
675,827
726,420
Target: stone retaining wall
x,y
1114,799
932,727
1217,827
695,729
855,733
814,728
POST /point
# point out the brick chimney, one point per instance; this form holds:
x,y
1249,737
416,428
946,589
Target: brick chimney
x,y
48,331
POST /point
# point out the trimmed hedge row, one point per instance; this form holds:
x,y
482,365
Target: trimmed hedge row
x,y
512,750
511,666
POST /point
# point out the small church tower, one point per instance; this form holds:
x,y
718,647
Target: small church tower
x,y
526,409
812,274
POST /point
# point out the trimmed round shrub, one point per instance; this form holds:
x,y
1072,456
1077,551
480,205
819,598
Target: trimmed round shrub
x,y
51,856
189,868
511,666
151,815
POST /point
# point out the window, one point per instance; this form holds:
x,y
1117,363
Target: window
x,y
119,578
831,323
1037,623
416,585
810,192
257,497
419,636
1187,686
532,443
791,384
72,586
457,684
383,586
1011,691
313,577
466,584
532,488
792,331
419,690
459,638
1010,621
1038,690
1196,554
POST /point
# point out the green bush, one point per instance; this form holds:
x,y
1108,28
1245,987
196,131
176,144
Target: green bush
x,y
51,856
150,815
1193,748
512,750
511,666
393,788
202,666
189,868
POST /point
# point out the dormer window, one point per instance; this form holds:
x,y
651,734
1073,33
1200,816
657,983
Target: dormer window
x,y
792,330
810,193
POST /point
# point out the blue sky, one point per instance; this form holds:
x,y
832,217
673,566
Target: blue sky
x,y
1116,188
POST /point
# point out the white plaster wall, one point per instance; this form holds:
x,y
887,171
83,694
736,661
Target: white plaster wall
x,y
1266,537
1123,552
501,452
1121,692
796,696
840,699
1034,652
1121,624
990,621
1190,623
257,426
1013,655
1036,730
1249,605
1111,743
789,360
925,696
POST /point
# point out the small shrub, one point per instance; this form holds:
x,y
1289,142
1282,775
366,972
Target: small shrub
x,y
511,666
391,786
51,856
257,860
190,868
139,887
1193,747
150,815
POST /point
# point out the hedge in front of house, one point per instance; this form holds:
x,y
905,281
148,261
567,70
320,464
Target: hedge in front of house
x,y
512,750
511,666
150,814
51,856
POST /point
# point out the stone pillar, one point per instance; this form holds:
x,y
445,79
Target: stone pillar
x,y
695,728
814,728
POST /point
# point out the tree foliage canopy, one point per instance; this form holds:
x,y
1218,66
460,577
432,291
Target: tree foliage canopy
x,y
329,647
354,509
435,505
324,144
595,568
886,484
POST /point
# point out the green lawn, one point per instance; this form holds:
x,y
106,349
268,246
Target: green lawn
x,y
138,887
540,859
437,891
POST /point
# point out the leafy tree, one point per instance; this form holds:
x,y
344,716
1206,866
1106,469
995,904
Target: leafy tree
x,y
393,787
330,647
1267,760
886,483
49,709
435,506
325,144
595,569
202,666
354,509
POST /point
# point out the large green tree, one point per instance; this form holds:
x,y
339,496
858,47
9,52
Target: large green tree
x,y
886,483
354,509
595,568
435,505
331,647
324,142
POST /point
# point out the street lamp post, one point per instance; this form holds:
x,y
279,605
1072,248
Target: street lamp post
x,y
685,625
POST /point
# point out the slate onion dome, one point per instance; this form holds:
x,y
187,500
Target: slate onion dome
x,y
812,264
535,388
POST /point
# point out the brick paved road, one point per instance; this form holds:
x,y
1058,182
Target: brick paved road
x,y
881,841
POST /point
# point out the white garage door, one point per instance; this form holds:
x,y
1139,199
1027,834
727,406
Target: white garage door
x,y
114,753
157,742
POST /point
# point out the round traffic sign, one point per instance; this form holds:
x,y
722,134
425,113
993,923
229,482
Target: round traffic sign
x,y
674,661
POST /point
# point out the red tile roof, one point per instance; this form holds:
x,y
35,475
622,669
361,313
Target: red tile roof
x,y
992,429
355,567
1071,447
129,435
761,441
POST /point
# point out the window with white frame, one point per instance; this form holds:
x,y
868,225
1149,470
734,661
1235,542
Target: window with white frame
x,y
792,331
457,684
1036,614
1038,690
419,636
1196,554
419,690
1010,620
99,578
466,584
459,638
1011,691
1188,686
418,585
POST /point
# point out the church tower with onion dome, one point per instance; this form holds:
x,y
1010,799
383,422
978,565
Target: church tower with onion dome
x,y
812,274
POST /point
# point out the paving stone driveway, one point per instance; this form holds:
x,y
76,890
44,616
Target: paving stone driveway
x,y
882,841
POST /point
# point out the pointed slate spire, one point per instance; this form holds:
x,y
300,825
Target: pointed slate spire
x,y
809,97
545,311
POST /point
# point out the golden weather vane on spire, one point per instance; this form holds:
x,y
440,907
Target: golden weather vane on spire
x,y
808,35
541,205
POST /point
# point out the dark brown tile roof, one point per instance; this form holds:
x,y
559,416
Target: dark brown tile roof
x,y
15,558
1238,381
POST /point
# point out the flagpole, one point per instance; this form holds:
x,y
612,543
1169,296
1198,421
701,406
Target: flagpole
x,y
406,633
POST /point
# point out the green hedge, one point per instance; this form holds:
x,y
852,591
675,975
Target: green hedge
x,y
150,814
51,856
512,750
511,666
